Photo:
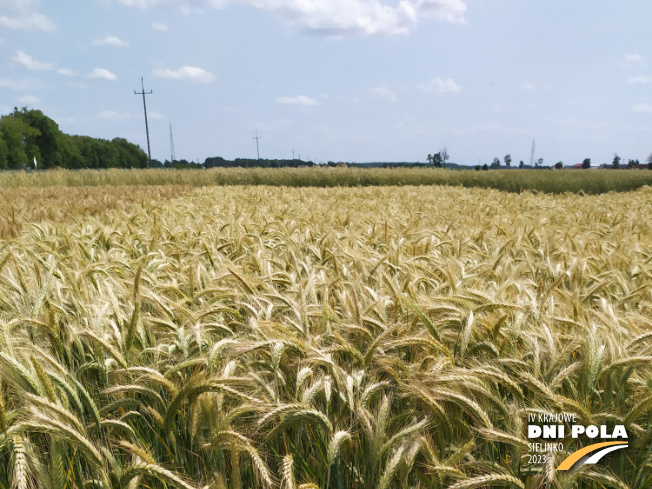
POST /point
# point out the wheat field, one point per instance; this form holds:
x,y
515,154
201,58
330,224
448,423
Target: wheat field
x,y
556,182
274,337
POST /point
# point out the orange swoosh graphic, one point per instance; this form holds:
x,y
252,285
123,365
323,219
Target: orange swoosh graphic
x,y
574,457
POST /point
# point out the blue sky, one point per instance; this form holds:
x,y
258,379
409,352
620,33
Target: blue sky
x,y
341,80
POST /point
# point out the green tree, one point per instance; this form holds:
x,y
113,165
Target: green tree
x,y
586,164
129,154
88,151
20,140
4,150
96,153
437,160
559,165
55,148
508,160
521,164
616,161
25,134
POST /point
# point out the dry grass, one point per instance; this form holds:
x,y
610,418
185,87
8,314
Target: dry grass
x,y
335,338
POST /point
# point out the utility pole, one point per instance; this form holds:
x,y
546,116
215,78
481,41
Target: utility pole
x,y
292,154
143,93
532,155
257,138
172,155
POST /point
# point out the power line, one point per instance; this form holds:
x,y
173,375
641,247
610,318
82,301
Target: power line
x,y
143,93
257,138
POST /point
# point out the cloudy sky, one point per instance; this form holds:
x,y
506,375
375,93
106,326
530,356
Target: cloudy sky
x,y
341,80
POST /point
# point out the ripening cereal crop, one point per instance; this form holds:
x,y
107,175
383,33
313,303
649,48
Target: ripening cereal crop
x,y
377,337
549,181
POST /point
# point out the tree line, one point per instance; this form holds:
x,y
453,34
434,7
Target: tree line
x,y
616,164
219,162
29,135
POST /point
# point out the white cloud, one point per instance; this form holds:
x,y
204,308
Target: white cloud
x,y
112,115
29,100
111,41
384,93
102,74
191,73
18,5
300,100
67,72
642,108
22,15
439,85
30,63
31,22
344,17
362,17
159,26
447,10
340,17
640,79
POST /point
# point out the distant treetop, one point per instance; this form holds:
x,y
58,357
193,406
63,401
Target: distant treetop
x,y
29,135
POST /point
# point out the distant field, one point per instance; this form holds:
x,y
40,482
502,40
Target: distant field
x,y
549,181
333,338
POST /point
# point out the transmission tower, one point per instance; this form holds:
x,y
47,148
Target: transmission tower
x,y
257,138
172,155
532,154
143,93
